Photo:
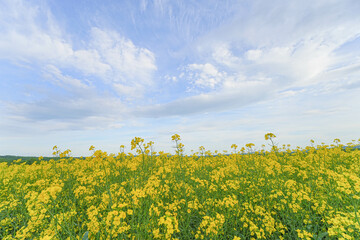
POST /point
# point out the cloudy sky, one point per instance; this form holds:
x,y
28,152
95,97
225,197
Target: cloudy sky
x,y
81,73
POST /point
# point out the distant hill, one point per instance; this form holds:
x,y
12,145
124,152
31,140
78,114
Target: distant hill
x,y
27,159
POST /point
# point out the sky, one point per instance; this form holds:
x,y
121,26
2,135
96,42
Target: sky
x,y
82,73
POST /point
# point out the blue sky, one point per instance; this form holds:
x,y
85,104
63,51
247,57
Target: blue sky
x,y
81,73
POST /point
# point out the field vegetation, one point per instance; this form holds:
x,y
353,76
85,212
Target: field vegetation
x,y
282,193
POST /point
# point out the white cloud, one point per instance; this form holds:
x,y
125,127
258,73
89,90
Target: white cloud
x,y
87,61
293,42
30,35
205,75
253,54
223,56
288,49
124,90
64,109
53,73
33,46
226,99
172,79
130,65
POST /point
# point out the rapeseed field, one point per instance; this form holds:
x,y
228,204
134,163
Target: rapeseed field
x,y
250,193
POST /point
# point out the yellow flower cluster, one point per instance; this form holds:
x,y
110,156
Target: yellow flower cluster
x,y
210,226
310,193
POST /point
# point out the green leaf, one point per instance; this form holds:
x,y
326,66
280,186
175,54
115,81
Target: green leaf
x,y
321,236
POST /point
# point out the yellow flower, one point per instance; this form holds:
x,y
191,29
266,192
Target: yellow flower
x,y
249,145
269,136
136,142
46,238
175,137
156,233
